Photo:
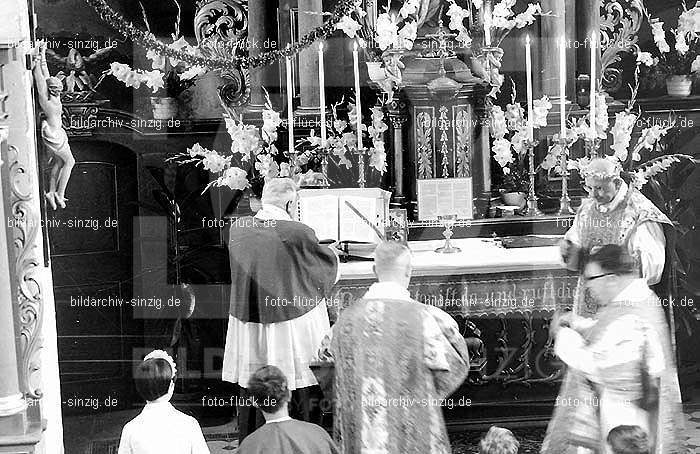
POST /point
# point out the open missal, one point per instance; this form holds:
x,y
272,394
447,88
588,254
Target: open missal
x,y
326,211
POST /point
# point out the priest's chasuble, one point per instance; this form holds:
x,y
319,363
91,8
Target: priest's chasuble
x,y
396,360
624,373
630,220
280,276
288,436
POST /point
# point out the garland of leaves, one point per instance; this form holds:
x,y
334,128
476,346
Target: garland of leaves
x,y
150,42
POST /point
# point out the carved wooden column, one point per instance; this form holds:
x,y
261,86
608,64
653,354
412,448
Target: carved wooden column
x,y
398,119
11,399
309,18
33,302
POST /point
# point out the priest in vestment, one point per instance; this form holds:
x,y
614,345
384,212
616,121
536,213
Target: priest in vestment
x,y
625,364
280,275
395,359
615,213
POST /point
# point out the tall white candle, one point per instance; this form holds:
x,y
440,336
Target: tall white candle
x,y
322,94
290,106
487,26
593,85
528,74
358,106
562,87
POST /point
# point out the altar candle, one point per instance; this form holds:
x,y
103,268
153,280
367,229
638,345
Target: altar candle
x,y
487,26
290,109
528,73
562,86
593,86
358,106
322,94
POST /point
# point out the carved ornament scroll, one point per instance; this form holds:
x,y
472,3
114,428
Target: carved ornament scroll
x,y
221,28
619,23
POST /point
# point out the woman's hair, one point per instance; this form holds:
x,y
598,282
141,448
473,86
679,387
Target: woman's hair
x,y
152,378
498,441
611,258
268,387
628,440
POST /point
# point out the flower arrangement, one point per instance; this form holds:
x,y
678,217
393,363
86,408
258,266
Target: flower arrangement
x,y
168,73
683,59
391,36
509,131
504,20
621,132
255,148
342,137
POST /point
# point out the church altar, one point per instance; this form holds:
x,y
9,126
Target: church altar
x,y
502,300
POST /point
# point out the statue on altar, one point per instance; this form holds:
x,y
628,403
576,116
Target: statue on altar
x,y
429,12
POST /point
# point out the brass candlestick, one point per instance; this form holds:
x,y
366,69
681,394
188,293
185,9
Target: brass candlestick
x,y
531,208
361,166
565,200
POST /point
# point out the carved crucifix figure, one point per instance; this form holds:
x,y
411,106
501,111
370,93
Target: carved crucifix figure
x,y
52,132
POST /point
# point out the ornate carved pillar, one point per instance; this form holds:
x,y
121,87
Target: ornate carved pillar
x,y
11,399
309,18
27,265
398,119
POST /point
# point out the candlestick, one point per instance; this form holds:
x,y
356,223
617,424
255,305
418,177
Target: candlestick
x,y
528,72
358,105
322,94
290,107
565,200
562,87
531,208
592,96
360,152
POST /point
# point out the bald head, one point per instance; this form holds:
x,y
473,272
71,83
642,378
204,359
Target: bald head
x,y
279,192
392,263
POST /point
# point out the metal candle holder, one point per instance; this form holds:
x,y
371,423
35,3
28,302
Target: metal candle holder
x,y
565,200
361,166
592,145
531,208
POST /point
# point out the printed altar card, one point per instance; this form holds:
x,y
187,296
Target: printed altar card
x,y
440,196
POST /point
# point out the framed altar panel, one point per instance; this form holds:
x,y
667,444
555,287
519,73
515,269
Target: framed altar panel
x,y
443,123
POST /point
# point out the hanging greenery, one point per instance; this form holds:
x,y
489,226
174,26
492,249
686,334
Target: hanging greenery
x,y
150,42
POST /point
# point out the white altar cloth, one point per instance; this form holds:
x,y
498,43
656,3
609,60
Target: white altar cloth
x,y
478,256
